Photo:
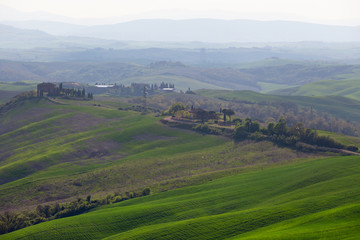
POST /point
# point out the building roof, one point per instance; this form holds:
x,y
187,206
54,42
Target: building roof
x,y
168,89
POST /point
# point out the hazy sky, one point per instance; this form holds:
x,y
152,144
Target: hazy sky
x,y
340,12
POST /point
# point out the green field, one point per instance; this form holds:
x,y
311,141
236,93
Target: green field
x,y
269,87
346,88
203,186
316,199
45,145
54,152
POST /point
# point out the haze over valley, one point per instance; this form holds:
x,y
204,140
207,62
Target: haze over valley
x,y
179,119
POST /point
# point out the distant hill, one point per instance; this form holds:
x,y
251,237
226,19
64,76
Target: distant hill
x,y
253,78
25,42
348,88
204,30
12,37
182,76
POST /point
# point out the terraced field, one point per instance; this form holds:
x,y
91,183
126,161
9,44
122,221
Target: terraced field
x,y
316,199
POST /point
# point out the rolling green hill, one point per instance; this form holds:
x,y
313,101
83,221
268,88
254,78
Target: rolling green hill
x,y
263,76
306,200
53,152
347,88
50,147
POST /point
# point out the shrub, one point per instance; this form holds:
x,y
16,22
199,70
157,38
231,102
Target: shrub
x,y
204,128
352,148
257,136
146,191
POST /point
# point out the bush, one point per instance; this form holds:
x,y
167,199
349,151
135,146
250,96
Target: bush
x,y
204,128
326,141
258,136
240,133
176,107
305,147
10,222
352,148
146,191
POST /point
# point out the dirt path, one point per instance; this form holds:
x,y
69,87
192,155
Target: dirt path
x,y
350,152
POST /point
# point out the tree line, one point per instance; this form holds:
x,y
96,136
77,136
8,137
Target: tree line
x,y
279,132
67,92
11,221
295,136
264,112
180,110
137,89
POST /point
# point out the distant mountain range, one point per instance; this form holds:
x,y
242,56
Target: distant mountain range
x,y
203,30
12,37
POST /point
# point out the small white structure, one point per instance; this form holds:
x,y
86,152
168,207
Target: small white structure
x,y
104,85
168,89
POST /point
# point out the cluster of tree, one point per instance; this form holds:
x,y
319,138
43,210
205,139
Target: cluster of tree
x,y
60,91
137,89
264,112
178,109
205,128
166,85
74,92
10,221
312,118
281,133
187,91
139,108
227,112
204,115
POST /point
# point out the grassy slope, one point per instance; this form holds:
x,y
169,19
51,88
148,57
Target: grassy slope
x,y
51,152
348,88
336,105
341,138
70,140
308,200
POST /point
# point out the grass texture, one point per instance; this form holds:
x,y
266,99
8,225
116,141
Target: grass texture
x,y
305,200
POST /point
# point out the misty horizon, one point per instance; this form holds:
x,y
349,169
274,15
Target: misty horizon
x,y
344,14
